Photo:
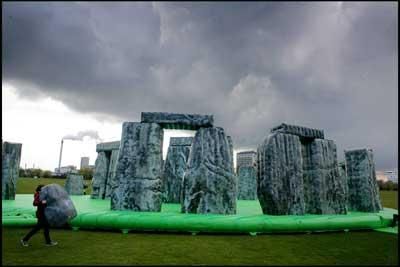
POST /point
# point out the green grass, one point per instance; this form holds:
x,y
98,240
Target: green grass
x,y
28,185
109,248
114,248
389,199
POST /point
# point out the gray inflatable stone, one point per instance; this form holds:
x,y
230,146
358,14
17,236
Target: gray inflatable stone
x,y
303,132
344,181
230,141
363,187
100,175
324,189
108,146
178,121
247,183
11,157
290,182
111,182
60,209
181,141
138,195
210,185
280,187
138,170
74,184
175,167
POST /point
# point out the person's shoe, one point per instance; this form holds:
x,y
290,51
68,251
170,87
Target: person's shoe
x,y
24,243
52,243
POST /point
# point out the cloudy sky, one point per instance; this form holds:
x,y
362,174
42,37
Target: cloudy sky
x,y
76,68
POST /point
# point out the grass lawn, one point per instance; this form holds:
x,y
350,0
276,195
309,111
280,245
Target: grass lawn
x,y
389,199
28,185
114,248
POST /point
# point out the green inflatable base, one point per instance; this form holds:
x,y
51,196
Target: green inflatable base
x,y
96,214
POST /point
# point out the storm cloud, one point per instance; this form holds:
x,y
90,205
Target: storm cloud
x,y
253,65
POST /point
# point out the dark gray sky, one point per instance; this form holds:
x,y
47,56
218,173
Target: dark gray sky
x,y
253,65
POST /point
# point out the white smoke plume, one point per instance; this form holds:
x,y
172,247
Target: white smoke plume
x,y
79,136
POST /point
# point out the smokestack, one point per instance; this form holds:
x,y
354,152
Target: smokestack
x,y
59,162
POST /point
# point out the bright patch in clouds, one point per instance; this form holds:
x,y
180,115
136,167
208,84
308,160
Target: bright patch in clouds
x,y
40,125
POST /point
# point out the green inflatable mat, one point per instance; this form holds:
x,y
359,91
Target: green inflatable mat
x,y
96,214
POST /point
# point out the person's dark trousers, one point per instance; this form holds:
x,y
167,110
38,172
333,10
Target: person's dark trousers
x,y
42,223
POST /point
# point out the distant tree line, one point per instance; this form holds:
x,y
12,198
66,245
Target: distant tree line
x,y
388,185
31,173
87,173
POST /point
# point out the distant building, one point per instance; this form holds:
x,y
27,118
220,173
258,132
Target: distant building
x,y
65,169
245,158
391,175
84,162
387,176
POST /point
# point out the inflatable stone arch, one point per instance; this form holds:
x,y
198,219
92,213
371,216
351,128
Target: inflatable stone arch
x,y
209,184
298,173
104,170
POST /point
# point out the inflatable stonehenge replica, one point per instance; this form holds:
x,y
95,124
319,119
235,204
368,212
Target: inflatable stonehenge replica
x,y
209,183
297,170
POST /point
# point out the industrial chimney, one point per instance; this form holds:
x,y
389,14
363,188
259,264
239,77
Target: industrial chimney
x,y
59,162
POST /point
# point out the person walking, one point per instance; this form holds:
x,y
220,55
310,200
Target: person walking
x,y
42,221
